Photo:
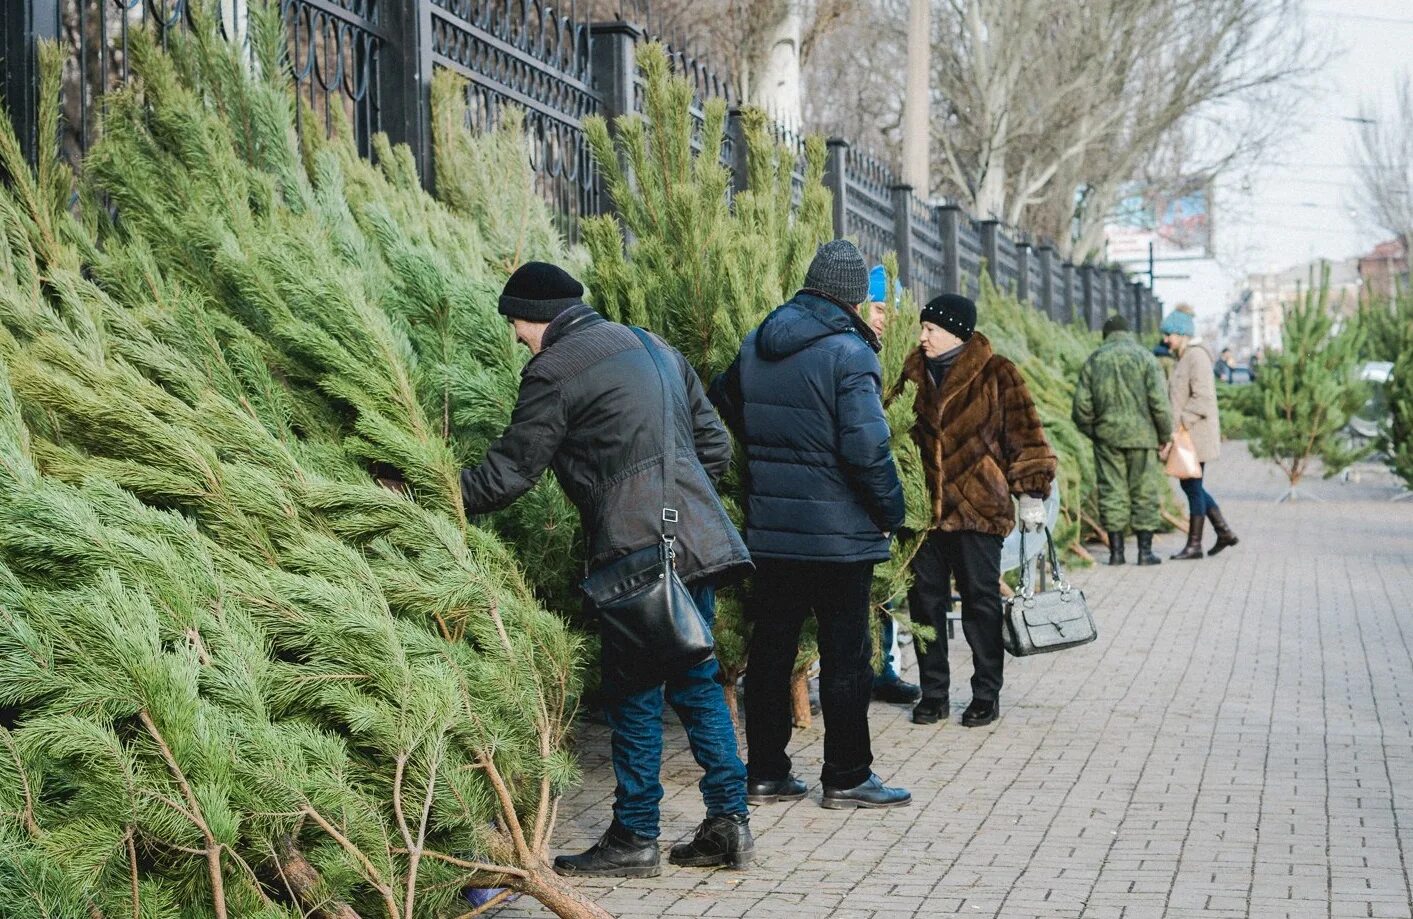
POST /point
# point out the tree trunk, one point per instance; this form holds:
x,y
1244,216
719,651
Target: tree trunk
x,y
800,700
304,882
917,126
733,703
778,91
559,896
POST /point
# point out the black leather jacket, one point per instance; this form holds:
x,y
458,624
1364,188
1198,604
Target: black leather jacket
x,y
590,407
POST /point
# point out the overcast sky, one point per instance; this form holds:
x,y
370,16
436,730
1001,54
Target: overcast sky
x,y
1299,205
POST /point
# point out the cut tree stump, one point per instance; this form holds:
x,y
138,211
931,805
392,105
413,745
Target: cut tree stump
x,y
800,700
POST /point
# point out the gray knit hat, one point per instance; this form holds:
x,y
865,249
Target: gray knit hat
x,y
838,270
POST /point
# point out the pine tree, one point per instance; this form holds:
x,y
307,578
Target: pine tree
x,y
1387,327
1309,390
240,678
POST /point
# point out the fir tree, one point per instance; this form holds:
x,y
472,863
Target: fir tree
x,y
287,689
1309,390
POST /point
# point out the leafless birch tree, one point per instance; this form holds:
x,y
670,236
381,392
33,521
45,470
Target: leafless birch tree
x,y
1384,158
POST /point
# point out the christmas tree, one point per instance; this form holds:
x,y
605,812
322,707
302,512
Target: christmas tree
x,y
240,678
1309,390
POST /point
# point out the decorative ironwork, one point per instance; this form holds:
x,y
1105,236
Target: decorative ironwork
x,y
1006,270
869,201
929,266
523,53
969,256
334,50
1035,281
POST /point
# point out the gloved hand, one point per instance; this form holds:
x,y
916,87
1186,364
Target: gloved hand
x,y
1032,514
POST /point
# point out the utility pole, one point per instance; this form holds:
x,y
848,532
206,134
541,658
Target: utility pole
x,y
917,147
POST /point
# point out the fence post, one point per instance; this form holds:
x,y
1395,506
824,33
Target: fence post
x,y
1046,255
949,224
1136,308
23,23
988,246
740,155
903,231
406,85
613,57
1023,292
836,180
1067,305
1091,304
1118,292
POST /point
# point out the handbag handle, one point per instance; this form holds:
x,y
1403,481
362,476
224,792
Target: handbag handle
x,y
670,515
1026,587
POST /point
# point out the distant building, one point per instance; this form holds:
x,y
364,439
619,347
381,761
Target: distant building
x,y
1385,269
1253,322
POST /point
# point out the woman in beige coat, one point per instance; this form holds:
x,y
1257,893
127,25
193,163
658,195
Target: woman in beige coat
x,y
1192,388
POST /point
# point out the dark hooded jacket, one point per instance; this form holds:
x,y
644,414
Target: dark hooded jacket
x,y
590,407
804,398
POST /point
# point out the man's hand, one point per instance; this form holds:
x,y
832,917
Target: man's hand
x,y
1164,450
1032,514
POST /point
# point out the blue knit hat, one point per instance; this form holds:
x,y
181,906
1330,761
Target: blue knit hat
x,y
878,285
1178,323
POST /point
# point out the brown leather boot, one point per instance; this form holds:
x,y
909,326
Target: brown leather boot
x,y
1193,549
1225,537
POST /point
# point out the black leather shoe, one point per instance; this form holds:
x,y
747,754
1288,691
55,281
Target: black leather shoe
x,y
1145,550
720,841
930,711
980,713
618,854
768,791
898,692
1116,547
872,793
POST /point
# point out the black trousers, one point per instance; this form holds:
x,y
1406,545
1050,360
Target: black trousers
x,y
974,559
785,594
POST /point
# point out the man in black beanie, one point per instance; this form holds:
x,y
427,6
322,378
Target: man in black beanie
x,y
984,452
591,407
822,501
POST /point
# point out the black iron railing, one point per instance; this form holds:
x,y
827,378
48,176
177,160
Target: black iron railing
x,y
369,64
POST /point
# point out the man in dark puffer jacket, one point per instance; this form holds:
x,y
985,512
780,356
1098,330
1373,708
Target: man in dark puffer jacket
x,y
804,397
590,408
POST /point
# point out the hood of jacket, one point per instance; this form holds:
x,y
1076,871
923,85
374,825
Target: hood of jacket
x,y
805,319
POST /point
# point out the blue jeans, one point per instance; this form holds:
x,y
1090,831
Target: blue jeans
x,y
888,674
636,722
1198,501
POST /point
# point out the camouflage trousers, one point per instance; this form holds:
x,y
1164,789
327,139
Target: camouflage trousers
x,y
1130,485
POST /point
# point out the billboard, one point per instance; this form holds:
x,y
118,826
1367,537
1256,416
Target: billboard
x,y
1172,221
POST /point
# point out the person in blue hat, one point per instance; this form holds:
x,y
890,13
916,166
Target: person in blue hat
x,y
888,685
1192,389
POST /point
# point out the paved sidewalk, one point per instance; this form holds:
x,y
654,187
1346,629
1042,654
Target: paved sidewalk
x,y
1237,743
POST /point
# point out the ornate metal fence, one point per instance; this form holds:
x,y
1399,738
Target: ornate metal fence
x,y
369,64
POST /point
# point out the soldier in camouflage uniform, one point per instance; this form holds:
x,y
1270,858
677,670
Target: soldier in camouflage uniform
x,y
1121,403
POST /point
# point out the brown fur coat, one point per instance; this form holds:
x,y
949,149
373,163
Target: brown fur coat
x,y
980,437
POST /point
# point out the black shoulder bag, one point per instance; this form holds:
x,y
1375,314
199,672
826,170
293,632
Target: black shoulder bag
x,y
650,627
1049,620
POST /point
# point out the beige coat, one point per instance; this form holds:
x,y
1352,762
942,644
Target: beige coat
x,y
1193,391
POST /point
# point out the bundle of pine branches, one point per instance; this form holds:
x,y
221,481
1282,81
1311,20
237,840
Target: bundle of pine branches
x,y
239,678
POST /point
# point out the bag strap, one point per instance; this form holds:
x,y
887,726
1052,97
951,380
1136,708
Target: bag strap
x,y
1050,553
670,515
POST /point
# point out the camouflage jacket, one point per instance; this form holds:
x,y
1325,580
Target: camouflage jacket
x,y
1121,398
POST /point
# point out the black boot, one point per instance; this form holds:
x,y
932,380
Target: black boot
x,y
899,692
1193,549
980,713
1225,537
719,841
618,854
1116,547
1145,550
930,711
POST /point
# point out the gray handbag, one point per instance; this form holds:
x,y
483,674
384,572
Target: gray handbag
x,y
1048,620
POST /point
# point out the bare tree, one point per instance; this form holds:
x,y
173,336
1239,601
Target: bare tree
x,y
1384,158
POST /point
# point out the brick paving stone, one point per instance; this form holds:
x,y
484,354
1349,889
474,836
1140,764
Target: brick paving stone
x,y
1237,743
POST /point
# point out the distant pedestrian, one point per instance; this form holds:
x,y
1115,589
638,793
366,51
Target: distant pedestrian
x,y
1222,368
1192,391
804,397
1121,404
982,446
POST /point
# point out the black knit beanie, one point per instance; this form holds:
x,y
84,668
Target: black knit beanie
x,y
1115,323
538,292
953,312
